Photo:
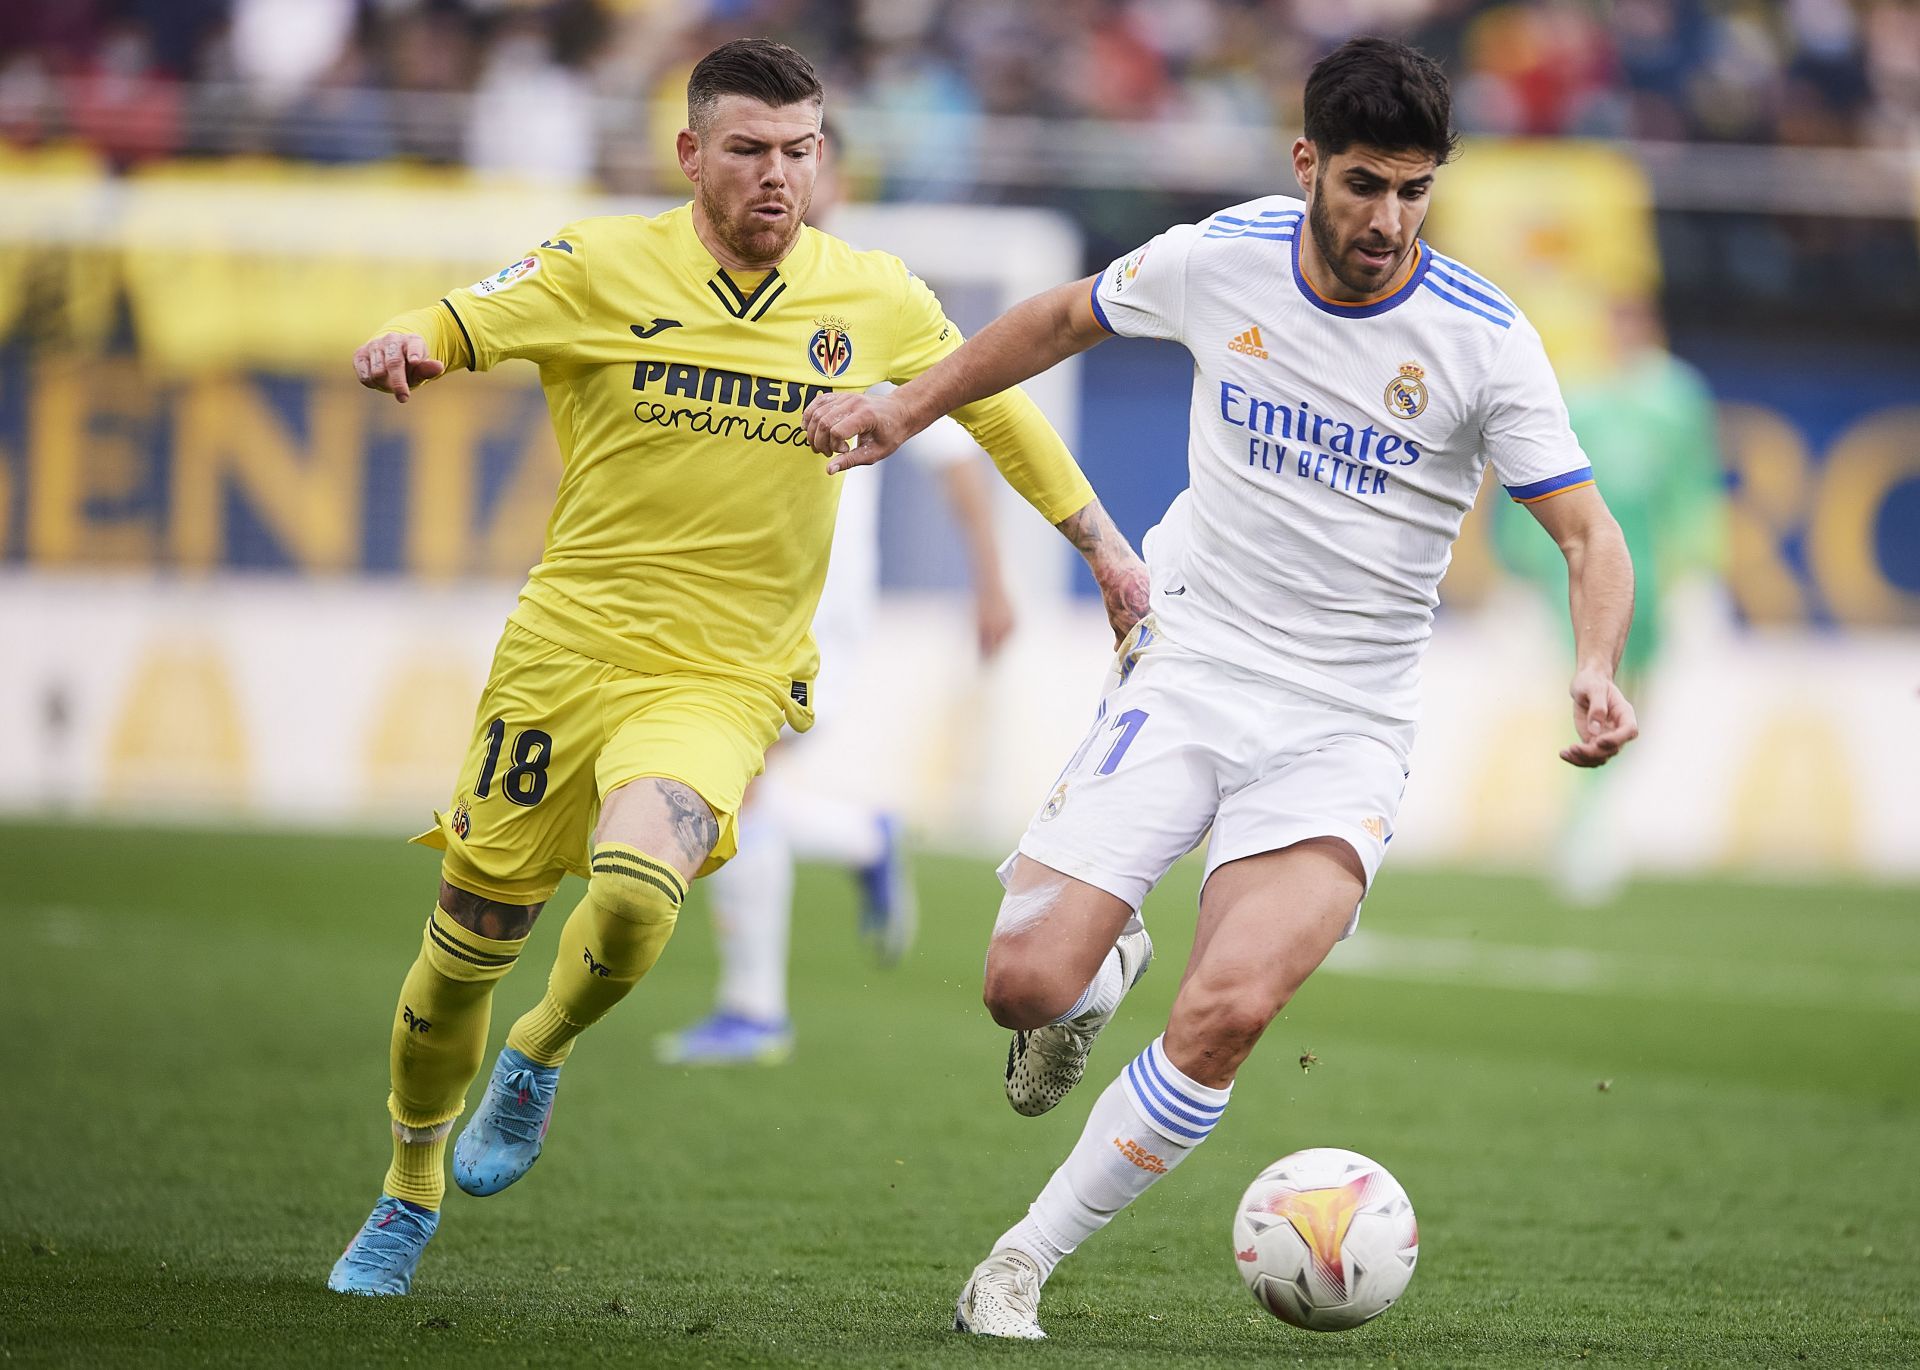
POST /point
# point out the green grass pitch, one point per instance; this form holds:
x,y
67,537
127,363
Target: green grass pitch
x,y
1681,1130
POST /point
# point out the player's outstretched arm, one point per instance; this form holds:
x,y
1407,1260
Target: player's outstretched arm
x,y
1600,600
858,430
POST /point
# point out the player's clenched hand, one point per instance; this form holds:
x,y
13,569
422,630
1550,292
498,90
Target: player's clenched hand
x,y
1603,719
395,363
1125,591
993,619
854,430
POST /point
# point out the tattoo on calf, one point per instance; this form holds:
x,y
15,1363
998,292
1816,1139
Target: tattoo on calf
x,y
486,917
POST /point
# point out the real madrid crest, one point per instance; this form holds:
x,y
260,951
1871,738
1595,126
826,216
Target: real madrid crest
x,y
1407,392
831,349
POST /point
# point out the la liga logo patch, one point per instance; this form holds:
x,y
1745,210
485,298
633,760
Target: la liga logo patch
x,y
831,348
507,276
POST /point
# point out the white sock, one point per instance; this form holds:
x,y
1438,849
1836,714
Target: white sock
x,y
1144,1125
1102,994
752,914
823,828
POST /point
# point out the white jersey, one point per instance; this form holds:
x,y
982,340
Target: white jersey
x,y
1333,448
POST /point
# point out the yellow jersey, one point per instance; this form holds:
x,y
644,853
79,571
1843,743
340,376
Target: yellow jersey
x,y
693,522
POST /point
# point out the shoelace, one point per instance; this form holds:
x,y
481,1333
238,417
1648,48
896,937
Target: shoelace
x,y
523,1107
1023,1298
1062,1048
393,1239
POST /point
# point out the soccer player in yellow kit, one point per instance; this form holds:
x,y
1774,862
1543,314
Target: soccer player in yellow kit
x,y
663,638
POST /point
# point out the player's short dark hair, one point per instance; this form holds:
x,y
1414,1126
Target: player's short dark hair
x,y
760,68
1379,93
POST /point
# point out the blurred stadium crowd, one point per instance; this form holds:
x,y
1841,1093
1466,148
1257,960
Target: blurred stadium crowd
x,y
559,84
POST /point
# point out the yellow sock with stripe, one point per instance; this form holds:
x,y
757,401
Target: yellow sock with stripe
x,y
611,939
439,1038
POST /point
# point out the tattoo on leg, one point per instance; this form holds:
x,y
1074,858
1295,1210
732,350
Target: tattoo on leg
x,y
694,827
486,917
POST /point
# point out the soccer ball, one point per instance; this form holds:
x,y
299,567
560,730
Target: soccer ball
x,y
1325,1239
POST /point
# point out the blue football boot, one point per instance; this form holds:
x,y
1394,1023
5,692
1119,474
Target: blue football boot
x,y
889,910
726,1039
383,1253
502,1140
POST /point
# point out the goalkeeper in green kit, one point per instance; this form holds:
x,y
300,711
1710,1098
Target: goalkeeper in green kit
x,y
1649,422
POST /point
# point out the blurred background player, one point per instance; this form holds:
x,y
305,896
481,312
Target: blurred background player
x,y
1648,421
781,823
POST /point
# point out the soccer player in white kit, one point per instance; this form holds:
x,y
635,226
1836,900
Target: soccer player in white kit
x,y
1349,386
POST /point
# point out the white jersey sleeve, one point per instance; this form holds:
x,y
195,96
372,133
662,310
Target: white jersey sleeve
x,y
1527,436
1144,294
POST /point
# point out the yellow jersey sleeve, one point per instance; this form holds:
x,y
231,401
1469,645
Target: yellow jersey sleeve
x,y
441,331
1023,445
530,308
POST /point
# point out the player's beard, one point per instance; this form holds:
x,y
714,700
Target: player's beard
x,y
1321,222
746,237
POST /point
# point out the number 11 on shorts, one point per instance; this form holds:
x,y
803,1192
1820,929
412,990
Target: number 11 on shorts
x,y
1129,725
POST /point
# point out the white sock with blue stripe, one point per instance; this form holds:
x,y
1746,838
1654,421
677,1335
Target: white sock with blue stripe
x,y
1144,1125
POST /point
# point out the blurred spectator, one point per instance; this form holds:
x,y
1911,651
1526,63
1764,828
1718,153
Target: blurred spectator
x,y
281,48
543,74
122,104
532,116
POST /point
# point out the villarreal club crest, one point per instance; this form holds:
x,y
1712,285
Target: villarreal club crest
x,y
1407,392
831,350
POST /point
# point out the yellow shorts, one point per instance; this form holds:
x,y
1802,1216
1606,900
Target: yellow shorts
x,y
557,732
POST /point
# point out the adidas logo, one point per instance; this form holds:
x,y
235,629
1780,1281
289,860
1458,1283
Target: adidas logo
x,y
1249,343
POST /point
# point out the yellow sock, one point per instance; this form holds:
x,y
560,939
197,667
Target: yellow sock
x,y
612,938
439,1037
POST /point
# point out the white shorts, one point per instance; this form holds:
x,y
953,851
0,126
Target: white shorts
x,y
1184,743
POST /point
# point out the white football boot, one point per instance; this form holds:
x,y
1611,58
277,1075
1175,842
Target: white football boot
x,y
1002,1299
1043,1064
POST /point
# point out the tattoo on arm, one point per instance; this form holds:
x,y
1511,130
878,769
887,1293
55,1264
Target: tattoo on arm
x,y
694,826
1127,597
487,917
1092,531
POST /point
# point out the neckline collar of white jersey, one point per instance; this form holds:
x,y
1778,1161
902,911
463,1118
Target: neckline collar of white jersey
x,y
1363,309
699,260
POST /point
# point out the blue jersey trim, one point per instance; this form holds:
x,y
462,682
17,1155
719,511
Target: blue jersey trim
x,y
1362,311
1275,224
1099,314
1462,269
1265,215
1552,483
1458,302
1442,275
